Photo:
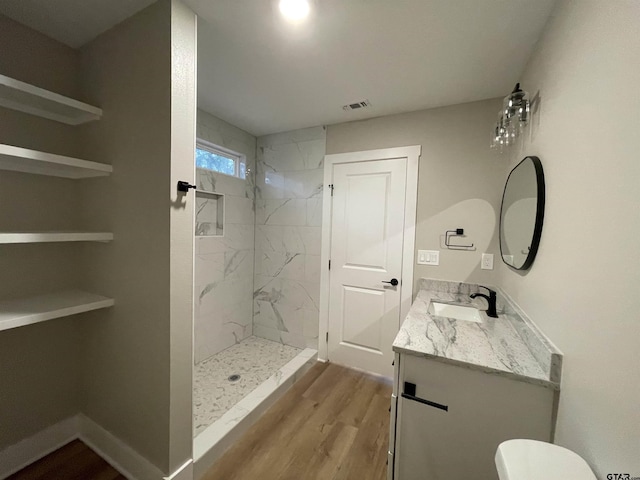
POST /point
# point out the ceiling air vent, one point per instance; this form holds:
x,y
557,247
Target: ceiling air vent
x,y
357,105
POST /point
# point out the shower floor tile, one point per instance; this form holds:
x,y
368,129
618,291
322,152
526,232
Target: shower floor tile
x,y
254,359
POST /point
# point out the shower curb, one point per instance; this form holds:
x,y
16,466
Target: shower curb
x,y
212,442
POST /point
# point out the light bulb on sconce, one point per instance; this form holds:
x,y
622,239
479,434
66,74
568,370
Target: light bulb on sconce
x,y
294,10
511,119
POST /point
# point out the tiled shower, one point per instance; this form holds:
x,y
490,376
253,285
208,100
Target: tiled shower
x,y
288,236
257,262
223,286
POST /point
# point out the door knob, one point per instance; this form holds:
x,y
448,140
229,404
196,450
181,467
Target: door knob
x,y
394,281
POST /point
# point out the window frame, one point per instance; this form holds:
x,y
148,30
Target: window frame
x,y
237,157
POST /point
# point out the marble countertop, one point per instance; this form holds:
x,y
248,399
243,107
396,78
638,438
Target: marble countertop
x,y
494,346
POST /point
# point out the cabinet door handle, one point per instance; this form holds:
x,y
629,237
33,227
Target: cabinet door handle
x,y
410,394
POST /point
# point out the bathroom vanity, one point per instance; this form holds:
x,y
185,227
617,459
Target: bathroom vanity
x,y
461,387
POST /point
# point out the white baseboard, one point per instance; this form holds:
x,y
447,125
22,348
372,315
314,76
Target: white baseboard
x,y
185,472
117,453
113,450
27,451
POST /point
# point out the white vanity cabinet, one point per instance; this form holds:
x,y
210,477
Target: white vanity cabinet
x,y
449,426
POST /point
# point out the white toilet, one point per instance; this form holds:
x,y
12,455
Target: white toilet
x,y
534,460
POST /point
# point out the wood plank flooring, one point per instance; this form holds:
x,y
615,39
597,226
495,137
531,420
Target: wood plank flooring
x,y
333,424
74,461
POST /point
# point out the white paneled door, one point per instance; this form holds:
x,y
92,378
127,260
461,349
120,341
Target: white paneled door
x,y
367,242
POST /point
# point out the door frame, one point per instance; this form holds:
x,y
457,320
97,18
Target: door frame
x,y
412,154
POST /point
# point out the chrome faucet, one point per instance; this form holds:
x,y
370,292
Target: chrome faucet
x,y
491,299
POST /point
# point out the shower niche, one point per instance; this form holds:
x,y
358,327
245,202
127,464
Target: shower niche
x,y
209,214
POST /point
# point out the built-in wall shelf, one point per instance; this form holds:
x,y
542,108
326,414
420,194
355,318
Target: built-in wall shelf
x,y
28,98
209,214
27,311
49,237
24,160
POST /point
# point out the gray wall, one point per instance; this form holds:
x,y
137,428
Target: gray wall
x,y
136,369
181,251
223,295
459,182
39,372
128,368
582,289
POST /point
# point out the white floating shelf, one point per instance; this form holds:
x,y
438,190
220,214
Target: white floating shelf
x,y
48,237
28,98
27,311
19,159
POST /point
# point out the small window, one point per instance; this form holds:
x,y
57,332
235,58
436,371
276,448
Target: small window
x,y
218,159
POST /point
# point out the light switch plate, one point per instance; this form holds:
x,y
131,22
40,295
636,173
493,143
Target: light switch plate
x,y
428,257
487,261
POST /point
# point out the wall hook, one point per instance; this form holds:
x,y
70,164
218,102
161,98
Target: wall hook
x,y
456,233
185,186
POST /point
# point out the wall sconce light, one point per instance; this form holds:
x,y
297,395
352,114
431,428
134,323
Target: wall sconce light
x,y
511,119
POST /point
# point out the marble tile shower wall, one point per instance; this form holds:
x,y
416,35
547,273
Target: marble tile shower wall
x,y
223,303
289,180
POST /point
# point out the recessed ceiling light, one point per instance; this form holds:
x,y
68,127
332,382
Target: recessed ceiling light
x,y
294,9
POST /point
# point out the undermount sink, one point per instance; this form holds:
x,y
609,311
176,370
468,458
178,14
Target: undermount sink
x,y
457,312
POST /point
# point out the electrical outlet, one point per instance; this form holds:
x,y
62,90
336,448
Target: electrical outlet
x,y
428,257
487,261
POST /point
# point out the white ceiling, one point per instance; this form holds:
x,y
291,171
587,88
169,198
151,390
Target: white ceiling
x,y
265,75
72,22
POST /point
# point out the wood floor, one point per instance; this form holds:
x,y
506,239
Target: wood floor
x,y
74,461
333,424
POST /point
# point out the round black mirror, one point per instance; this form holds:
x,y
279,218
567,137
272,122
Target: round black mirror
x,y
522,213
